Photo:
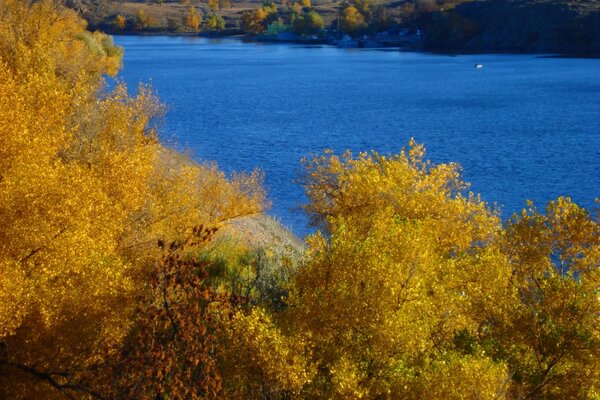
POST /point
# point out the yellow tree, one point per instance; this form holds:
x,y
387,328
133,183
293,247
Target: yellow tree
x,y
120,22
61,223
352,20
551,336
193,19
415,290
406,266
85,193
217,5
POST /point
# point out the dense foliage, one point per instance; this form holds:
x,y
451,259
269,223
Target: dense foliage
x,y
298,17
119,279
86,191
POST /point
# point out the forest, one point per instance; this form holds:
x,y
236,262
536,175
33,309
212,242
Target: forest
x,y
119,278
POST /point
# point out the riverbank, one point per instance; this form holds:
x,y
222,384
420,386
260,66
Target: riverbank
x,y
494,26
391,43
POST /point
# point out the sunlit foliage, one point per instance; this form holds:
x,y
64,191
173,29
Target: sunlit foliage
x,y
120,278
217,5
120,22
193,19
86,190
142,20
360,16
413,289
352,20
405,265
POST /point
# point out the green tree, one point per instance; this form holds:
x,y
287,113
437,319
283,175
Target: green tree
x,y
215,22
308,23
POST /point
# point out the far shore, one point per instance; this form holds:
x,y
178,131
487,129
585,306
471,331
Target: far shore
x,y
238,35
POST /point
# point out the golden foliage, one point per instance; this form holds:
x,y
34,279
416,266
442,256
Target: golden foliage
x,y
412,288
261,361
85,192
352,20
193,19
398,274
415,290
120,22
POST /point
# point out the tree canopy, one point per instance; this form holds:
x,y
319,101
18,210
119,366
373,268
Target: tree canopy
x,y
118,278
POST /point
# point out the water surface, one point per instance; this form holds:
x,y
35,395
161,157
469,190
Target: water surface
x,y
523,127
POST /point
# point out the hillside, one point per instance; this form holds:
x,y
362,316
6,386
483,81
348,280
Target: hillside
x,y
542,26
537,26
169,15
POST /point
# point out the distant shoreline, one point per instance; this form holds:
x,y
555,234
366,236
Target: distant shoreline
x,y
417,49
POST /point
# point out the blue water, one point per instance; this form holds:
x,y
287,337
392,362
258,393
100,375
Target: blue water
x,y
523,127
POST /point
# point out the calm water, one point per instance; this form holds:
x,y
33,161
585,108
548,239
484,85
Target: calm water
x,y
523,127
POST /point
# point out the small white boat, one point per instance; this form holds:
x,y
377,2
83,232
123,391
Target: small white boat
x,y
478,65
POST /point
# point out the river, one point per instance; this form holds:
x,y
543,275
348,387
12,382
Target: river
x,y
522,127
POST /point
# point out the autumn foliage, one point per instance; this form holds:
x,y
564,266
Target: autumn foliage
x,y
118,279
86,191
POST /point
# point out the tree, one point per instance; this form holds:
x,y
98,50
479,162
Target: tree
x,y
213,5
252,21
142,20
62,212
120,22
406,265
217,5
308,23
215,22
297,8
193,19
551,335
114,283
86,191
171,352
352,20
